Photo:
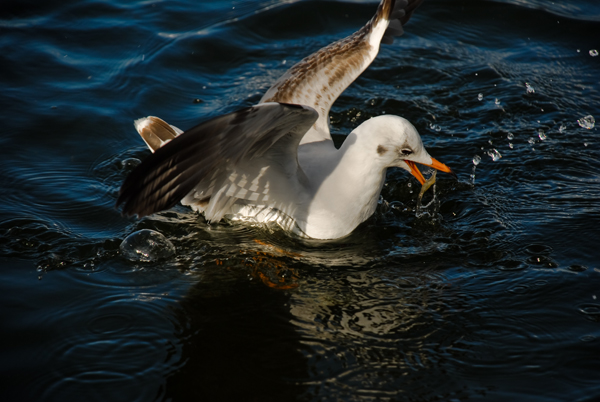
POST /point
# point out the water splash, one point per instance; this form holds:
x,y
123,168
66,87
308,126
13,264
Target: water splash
x,y
146,246
530,89
494,154
422,210
587,122
476,160
435,127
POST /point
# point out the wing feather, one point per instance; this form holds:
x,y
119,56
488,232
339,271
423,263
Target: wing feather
x,y
319,79
210,152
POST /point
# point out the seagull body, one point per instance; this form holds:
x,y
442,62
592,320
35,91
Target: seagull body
x,y
276,161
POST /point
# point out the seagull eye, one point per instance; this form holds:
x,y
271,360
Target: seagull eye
x,y
406,152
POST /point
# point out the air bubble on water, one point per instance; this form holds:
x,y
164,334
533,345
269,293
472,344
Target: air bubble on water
x,y
510,136
480,97
542,134
409,184
587,122
146,245
593,53
529,88
494,154
130,163
476,160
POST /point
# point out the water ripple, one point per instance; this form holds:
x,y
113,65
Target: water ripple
x,y
113,342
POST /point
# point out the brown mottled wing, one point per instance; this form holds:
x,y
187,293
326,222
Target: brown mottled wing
x,y
320,78
202,152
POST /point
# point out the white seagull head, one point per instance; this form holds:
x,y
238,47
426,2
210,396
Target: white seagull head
x,y
395,142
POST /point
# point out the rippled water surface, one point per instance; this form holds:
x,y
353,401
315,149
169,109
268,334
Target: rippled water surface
x,y
489,293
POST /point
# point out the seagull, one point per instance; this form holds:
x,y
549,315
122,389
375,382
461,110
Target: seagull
x,y
276,161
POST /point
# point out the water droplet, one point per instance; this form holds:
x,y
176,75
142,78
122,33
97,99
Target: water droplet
x,y
494,154
510,145
435,127
409,185
578,50
476,160
510,136
587,122
585,144
497,101
593,53
531,140
542,135
146,245
480,97
529,88
562,128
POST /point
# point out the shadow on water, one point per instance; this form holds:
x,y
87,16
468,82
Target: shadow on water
x,y
238,344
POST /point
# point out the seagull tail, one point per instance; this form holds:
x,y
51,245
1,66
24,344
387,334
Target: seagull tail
x,y
155,132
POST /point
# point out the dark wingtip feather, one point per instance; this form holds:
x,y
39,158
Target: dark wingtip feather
x,y
399,14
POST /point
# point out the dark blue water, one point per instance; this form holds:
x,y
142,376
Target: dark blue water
x,y
491,293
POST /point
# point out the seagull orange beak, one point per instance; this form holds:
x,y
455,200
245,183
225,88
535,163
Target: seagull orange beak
x,y
434,164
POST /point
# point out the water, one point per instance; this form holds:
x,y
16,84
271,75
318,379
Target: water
x,y
491,295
